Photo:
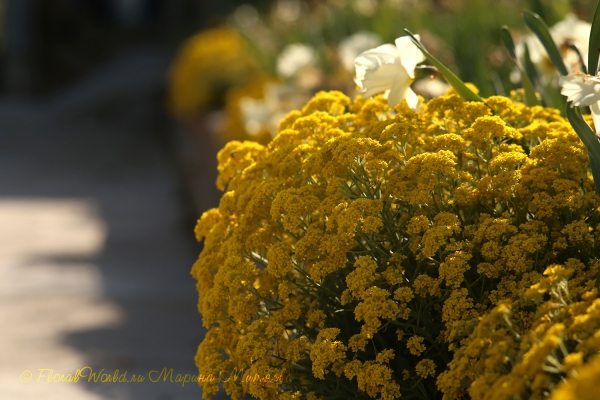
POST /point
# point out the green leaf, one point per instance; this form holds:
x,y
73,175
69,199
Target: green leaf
x,y
585,132
461,89
508,42
557,100
595,165
594,49
529,67
540,29
589,139
530,97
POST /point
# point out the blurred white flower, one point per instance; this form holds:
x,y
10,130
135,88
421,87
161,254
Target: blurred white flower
x,y
259,115
391,69
353,45
255,115
288,10
583,90
295,57
570,30
366,7
431,88
574,30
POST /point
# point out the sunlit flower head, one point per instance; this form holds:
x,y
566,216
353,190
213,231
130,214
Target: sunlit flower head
x,y
389,68
397,214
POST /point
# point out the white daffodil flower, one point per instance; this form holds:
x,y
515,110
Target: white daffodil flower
x,y
389,69
583,90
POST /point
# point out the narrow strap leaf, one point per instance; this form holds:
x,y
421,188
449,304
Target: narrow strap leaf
x,y
535,79
584,131
508,42
530,97
595,166
540,29
589,139
463,91
529,67
594,49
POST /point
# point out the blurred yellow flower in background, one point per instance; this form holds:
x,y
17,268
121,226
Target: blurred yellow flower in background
x,y
206,65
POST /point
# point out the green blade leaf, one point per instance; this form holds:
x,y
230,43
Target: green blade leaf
x,y
594,49
595,166
540,29
508,42
529,67
589,139
530,97
463,91
584,131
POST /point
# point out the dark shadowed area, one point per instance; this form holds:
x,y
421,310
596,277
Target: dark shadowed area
x,y
96,239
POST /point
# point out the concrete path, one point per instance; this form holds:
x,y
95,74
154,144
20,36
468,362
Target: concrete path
x,y
94,252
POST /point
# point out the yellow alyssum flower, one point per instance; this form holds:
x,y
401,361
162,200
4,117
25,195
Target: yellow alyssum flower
x,y
583,386
362,230
425,368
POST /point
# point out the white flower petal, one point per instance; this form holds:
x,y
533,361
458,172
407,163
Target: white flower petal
x,y
580,89
411,98
378,79
384,54
399,88
410,55
372,60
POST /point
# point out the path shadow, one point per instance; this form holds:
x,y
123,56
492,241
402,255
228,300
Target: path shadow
x,y
113,153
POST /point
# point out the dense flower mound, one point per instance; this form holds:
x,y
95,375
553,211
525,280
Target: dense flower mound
x,y
368,252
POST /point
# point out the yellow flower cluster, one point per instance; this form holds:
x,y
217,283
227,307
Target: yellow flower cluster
x,y
373,252
526,348
207,64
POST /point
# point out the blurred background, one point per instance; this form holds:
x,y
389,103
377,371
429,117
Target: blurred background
x,y
111,116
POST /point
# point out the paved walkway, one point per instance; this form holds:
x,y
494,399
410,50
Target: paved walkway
x,y
94,252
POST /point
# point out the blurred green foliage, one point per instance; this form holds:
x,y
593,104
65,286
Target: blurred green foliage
x,y
464,34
